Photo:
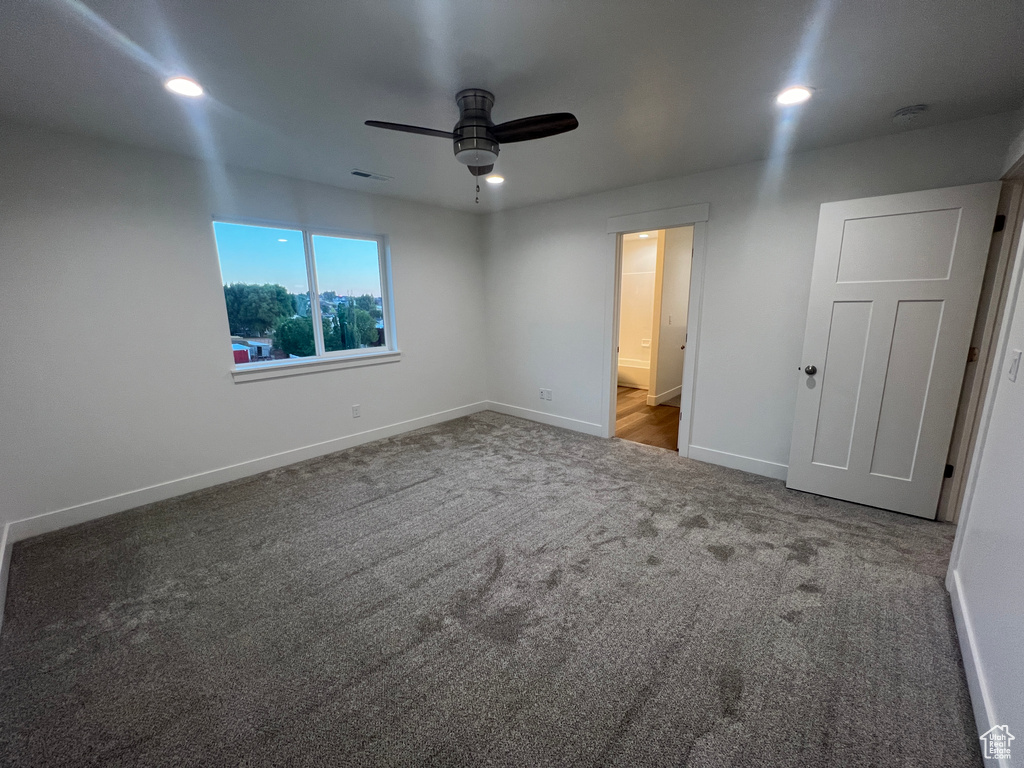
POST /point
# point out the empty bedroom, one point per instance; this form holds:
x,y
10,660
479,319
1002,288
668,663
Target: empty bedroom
x,y
453,383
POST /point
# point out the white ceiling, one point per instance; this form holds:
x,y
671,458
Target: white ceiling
x,y
661,89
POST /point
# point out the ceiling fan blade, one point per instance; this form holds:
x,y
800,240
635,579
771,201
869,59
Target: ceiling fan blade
x,y
411,129
536,127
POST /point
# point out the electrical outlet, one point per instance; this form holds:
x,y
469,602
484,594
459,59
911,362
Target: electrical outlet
x,y
542,394
355,412
549,395
545,394
1014,364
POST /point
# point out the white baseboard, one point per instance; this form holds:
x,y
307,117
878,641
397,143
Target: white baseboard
x,y
5,568
666,395
985,715
80,513
17,530
735,461
554,420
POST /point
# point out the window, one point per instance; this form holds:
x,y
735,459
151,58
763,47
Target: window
x,y
271,276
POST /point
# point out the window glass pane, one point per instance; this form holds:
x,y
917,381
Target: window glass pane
x,y
348,276
266,292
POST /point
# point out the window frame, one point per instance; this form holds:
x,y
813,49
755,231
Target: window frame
x,y
323,360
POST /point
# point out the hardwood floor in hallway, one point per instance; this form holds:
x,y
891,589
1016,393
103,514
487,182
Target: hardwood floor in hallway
x,y
635,420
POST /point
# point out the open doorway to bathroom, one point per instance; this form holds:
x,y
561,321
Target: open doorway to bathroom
x,y
654,300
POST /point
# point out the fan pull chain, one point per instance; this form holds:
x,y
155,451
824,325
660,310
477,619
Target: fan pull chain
x,y
478,192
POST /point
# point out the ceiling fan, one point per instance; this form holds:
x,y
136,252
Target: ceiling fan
x,y
476,137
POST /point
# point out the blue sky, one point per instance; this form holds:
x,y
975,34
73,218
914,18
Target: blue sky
x,y
250,254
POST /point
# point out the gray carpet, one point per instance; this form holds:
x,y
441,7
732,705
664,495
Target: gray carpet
x,y
489,591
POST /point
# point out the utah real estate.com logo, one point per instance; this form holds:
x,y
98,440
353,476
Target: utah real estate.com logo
x,y
995,743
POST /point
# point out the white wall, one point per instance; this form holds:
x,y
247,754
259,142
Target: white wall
x,y
107,260
550,268
636,312
1016,149
675,302
112,247
986,576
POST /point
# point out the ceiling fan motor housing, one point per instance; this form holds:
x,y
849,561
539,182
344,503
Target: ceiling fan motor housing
x,y
475,146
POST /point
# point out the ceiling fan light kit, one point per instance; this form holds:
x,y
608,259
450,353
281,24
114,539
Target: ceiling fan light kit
x,y
474,144
475,137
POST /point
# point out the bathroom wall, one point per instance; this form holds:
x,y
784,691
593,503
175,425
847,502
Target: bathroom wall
x,y
677,257
636,315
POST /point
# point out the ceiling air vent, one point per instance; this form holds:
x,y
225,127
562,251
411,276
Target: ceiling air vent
x,y
906,115
368,175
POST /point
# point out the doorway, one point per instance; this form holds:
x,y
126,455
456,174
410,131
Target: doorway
x,y
653,308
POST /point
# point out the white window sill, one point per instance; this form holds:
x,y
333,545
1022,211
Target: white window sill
x,y
299,367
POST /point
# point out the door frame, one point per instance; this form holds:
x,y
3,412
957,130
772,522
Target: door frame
x,y
1003,309
659,287
669,218
1002,250
1001,342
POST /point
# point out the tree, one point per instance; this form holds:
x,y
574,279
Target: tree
x,y
294,336
351,328
366,326
367,303
255,309
336,334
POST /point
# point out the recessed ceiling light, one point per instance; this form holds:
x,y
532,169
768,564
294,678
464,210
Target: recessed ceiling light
x,y
495,179
798,94
643,234
282,240
184,86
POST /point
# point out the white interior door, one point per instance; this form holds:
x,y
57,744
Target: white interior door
x,y
894,292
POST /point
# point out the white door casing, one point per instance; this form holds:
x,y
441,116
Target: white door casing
x,y
894,292
698,216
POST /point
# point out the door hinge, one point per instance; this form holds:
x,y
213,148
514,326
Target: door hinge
x,y
949,471
1000,223
972,354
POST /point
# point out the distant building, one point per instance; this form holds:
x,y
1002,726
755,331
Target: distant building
x,y
259,348
241,353
256,349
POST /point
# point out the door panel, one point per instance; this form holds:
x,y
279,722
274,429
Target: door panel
x,y
906,388
894,291
844,366
908,246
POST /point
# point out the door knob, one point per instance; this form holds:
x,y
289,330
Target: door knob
x,y
810,370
